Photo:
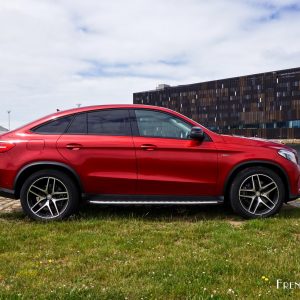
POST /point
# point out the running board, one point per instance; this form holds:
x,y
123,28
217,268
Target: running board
x,y
153,202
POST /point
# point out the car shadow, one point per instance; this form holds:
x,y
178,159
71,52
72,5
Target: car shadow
x,y
170,213
163,213
159,212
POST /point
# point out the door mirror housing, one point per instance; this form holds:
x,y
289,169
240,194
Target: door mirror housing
x,y
197,133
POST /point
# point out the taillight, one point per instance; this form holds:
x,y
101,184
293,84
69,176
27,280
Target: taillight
x,y
4,146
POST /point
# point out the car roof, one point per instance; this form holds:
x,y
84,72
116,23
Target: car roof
x,y
63,113
108,106
27,128
66,112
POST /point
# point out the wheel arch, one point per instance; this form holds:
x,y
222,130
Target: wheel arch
x,y
257,163
41,165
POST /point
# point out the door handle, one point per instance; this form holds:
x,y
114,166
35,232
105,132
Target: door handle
x,y
74,146
148,147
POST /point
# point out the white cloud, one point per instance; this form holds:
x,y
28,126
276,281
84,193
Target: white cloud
x,y
54,54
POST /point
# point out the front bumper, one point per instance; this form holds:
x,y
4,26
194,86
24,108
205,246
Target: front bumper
x,y
295,185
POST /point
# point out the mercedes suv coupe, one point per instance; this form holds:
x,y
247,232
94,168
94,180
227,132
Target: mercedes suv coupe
x,y
139,154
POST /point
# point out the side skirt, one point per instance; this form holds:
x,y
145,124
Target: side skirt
x,y
152,200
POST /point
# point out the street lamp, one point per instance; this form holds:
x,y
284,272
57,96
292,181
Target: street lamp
x,y
8,112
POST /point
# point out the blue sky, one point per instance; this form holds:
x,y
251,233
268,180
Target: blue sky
x,y
57,53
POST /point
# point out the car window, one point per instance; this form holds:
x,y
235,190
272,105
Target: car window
x,y
78,125
57,126
158,124
109,122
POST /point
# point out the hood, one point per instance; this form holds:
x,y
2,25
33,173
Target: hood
x,y
255,142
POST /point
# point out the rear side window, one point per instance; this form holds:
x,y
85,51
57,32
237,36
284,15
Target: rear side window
x,y
109,122
79,124
57,126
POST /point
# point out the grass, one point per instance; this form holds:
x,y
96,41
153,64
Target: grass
x,y
149,253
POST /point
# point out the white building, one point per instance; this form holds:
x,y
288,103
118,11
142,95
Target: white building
x,y
2,129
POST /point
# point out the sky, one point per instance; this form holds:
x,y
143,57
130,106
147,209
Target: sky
x,y
60,53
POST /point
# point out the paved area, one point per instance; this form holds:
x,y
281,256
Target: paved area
x,y
295,203
8,205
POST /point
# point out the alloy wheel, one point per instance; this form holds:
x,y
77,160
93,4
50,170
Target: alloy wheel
x,y
47,197
259,194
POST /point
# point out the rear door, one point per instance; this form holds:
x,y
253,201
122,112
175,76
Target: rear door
x,y
168,161
99,146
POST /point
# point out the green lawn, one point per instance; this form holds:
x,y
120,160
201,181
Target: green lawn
x,y
149,253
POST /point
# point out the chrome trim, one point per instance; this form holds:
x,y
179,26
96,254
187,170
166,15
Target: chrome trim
x,y
153,202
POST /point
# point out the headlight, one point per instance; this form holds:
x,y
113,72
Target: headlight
x,y
288,155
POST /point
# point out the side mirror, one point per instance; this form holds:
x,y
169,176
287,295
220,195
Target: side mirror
x,y
197,133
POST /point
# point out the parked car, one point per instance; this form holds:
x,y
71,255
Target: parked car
x,y
139,154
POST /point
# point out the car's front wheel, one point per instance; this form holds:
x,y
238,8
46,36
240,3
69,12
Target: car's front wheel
x,y
49,195
257,192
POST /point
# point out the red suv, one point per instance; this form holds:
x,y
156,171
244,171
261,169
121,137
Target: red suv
x,y
138,154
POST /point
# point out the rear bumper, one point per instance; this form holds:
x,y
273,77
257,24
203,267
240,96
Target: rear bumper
x,y
7,193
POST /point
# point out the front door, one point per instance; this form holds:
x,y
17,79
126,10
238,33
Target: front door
x,y
168,161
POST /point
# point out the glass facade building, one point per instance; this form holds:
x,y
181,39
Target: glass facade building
x,y
265,105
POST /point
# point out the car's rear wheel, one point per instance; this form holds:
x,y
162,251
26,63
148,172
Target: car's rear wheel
x,y
257,192
49,195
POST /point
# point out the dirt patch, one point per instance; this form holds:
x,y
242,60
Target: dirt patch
x,y
236,224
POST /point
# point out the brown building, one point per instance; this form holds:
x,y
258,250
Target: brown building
x,y
265,105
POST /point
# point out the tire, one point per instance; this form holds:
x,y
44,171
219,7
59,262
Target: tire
x,y
257,192
49,195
